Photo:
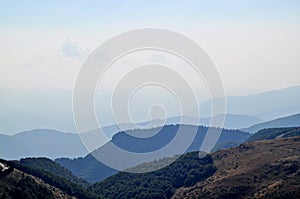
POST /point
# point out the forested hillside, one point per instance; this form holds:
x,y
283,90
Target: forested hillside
x,y
185,171
92,170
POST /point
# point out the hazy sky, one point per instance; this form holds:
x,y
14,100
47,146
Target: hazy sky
x,y
255,44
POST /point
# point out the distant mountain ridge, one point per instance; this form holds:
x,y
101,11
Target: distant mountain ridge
x,y
41,142
288,121
40,109
266,105
92,170
54,144
231,121
259,169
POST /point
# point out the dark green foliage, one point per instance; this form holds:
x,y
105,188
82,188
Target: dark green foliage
x,y
152,166
52,167
185,171
65,185
88,168
272,133
27,188
292,133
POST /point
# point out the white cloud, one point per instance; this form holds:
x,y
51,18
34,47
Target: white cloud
x,y
70,49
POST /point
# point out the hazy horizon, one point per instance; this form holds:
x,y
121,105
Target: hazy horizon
x,y
254,46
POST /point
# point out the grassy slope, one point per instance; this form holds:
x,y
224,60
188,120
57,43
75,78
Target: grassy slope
x,y
261,169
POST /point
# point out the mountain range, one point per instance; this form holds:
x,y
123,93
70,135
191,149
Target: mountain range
x,y
230,122
288,121
52,144
266,166
91,169
41,143
266,105
260,169
51,109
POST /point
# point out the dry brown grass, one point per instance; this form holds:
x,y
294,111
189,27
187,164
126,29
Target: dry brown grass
x,y
262,169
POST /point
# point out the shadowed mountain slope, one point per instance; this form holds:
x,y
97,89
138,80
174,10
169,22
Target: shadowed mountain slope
x,y
92,170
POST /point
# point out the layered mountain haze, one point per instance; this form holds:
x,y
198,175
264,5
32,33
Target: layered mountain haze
x,y
259,169
288,121
41,143
52,143
231,121
150,99
92,170
241,111
266,105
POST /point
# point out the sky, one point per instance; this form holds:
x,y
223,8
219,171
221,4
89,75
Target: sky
x,y
254,44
